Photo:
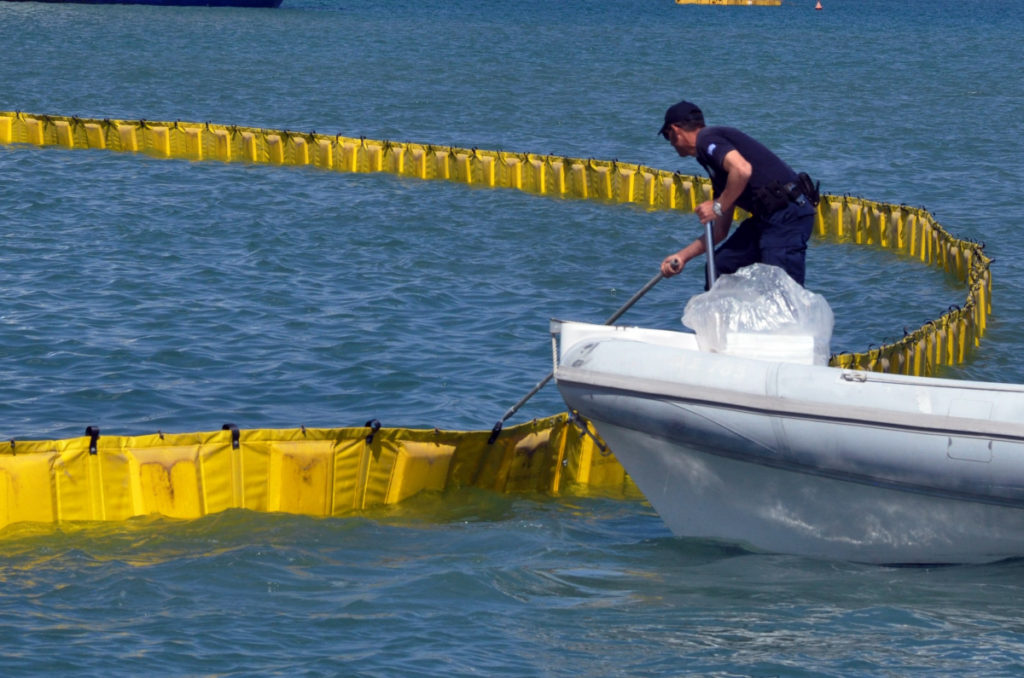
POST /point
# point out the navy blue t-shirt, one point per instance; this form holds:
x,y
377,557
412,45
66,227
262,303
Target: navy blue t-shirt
x,y
713,143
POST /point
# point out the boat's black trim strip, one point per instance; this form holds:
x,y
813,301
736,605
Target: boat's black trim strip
x,y
845,476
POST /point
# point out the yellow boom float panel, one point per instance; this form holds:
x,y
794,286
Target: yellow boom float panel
x,y
315,472
325,472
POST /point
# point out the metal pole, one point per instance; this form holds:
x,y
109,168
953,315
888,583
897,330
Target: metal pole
x,y
615,316
710,244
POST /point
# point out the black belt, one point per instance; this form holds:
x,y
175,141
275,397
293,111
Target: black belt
x,y
776,196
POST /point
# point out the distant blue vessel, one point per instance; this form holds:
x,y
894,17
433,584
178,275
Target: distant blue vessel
x,y
179,3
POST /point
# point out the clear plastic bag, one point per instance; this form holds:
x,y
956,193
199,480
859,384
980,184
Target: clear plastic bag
x,y
761,312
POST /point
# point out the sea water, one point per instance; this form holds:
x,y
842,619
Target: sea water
x,y
141,294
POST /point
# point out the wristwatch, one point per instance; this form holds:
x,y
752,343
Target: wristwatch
x,y
716,207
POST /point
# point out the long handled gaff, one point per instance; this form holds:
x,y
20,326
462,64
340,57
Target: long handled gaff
x,y
615,316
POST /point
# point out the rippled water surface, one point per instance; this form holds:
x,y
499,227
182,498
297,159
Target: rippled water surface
x,y
143,294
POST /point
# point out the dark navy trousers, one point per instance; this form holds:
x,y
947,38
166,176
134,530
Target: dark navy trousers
x,y
779,239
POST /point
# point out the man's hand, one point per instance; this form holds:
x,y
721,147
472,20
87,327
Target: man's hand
x,y
672,265
706,211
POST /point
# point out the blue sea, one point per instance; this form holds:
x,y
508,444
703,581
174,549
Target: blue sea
x,y
141,294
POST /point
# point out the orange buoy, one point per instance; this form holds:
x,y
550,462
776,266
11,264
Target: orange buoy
x,y
818,6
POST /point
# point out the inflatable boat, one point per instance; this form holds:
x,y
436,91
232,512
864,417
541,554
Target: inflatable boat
x,y
785,456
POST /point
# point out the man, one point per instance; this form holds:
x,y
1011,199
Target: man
x,y
745,174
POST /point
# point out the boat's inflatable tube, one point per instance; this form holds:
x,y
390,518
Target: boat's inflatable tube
x,y
805,459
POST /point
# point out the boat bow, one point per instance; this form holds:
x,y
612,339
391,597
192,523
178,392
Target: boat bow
x,y
784,442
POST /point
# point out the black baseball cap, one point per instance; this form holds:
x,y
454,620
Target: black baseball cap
x,y
682,113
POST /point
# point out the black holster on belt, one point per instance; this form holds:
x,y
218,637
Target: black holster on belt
x,y
775,196
809,188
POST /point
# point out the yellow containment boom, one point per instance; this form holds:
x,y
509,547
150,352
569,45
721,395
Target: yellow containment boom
x,y
316,472
327,472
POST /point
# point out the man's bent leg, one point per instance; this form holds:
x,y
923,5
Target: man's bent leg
x,y
784,239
